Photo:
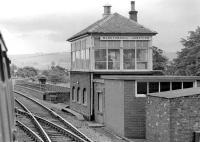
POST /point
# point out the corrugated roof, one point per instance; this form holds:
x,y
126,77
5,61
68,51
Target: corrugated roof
x,y
115,23
177,93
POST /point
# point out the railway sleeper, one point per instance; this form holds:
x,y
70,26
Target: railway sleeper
x,y
61,130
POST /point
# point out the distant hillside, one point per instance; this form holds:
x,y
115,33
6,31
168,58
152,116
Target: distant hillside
x,y
41,61
44,61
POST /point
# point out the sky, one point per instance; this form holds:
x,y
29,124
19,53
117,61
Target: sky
x,y
42,26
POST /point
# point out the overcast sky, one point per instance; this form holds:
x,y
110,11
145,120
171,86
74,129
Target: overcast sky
x,y
42,26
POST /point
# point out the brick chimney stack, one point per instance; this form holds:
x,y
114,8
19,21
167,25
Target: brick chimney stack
x,y
107,10
133,12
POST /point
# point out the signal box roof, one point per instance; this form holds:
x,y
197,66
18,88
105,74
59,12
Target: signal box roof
x,y
114,24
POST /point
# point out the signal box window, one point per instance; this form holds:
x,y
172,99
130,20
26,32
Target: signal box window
x,y
129,59
100,59
141,58
113,59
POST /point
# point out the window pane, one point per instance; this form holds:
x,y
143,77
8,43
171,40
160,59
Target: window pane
x,y
142,55
100,55
142,88
164,86
100,59
100,65
129,59
142,65
73,60
142,59
187,84
176,85
145,44
138,43
114,59
87,57
78,58
83,58
153,87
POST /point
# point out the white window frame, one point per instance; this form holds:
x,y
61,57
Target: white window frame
x,y
121,50
140,95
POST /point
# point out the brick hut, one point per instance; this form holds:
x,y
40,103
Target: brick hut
x,y
173,116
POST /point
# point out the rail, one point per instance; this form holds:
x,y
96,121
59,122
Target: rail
x,y
66,123
37,124
53,125
32,134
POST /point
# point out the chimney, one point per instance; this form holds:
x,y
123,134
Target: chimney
x,y
107,10
133,12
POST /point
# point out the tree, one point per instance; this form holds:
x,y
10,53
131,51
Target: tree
x,y
188,60
57,74
159,60
27,72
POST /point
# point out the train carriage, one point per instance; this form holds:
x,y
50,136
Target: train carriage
x,y
7,126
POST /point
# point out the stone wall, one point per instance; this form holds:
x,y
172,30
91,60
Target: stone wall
x,y
185,118
172,119
157,119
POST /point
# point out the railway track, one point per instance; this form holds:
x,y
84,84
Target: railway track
x,y
57,128
26,133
